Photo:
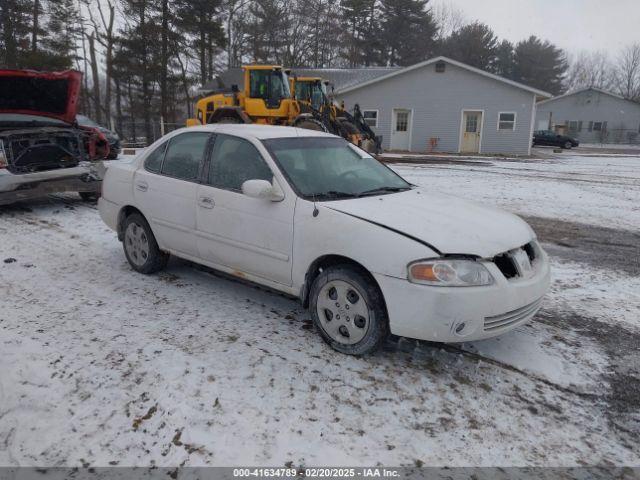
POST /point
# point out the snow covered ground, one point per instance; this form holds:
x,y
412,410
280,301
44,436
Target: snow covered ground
x,y
102,366
595,190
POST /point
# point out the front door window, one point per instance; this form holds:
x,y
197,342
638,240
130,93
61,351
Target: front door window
x,y
402,121
472,123
234,161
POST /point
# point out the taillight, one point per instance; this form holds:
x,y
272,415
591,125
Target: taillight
x,y
3,156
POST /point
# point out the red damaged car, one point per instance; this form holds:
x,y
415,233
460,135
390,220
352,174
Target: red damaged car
x,y
42,148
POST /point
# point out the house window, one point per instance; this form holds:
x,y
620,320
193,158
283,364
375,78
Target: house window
x,y
590,127
440,67
370,117
506,121
597,126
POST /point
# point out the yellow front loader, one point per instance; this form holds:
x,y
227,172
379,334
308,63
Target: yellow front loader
x,y
265,99
311,94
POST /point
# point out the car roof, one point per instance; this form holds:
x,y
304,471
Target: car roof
x,y
260,132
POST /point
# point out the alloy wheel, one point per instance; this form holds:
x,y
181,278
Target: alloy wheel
x,y
343,312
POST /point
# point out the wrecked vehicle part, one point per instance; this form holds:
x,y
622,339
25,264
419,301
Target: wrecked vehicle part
x,y
42,148
82,181
45,148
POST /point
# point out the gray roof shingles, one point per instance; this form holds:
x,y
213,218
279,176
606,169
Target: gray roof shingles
x,y
340,78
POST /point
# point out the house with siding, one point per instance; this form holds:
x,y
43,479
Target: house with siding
x,y
439,105
592,116
442,105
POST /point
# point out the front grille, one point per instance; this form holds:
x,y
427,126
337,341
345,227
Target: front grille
x,y
531,252
511,318
507,264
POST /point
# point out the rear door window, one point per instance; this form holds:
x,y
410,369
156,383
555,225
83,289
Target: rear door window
x,y
185,155
234,161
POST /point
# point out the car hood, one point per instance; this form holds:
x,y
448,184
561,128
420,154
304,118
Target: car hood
x,y
448,224
46,94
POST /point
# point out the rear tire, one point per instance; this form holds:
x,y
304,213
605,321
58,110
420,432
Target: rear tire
x,y
140,246
89,196
348,310
229,119
311,124
568,145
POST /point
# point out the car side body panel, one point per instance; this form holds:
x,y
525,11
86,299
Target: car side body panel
x,y
330,232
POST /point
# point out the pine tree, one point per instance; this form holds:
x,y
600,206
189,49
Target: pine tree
x,y
474,44
504,59
199,23
540,64
63,33
15,32
361,32
408,31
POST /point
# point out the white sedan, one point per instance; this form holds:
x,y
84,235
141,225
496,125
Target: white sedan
x,y
309,214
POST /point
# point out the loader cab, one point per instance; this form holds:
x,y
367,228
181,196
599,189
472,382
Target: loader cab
x,y
312,90
267,83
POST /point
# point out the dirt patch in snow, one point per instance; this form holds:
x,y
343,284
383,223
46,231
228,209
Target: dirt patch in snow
x,y
602,247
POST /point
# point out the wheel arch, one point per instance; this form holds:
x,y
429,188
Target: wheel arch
x,y
234,112
330,260
125,212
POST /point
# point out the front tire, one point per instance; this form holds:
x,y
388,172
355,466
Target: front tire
x,y
140,246
568,145
348,310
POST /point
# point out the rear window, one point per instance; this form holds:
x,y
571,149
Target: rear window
x,y
153,162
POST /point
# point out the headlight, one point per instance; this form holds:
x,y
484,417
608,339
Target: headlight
x,y
450,273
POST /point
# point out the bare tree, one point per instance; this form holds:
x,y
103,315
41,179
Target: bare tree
x,y
448,18
104,29
233,8
94,77
628,72
590,69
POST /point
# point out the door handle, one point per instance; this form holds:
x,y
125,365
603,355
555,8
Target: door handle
x,y
206,202
142,186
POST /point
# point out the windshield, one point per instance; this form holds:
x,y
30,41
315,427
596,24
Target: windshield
x,y
19,118
270,85
312,92
324,168
86,121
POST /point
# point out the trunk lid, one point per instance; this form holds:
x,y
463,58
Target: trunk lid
x,y
46,94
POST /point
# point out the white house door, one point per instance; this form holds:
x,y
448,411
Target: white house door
x,y
471,132
401,129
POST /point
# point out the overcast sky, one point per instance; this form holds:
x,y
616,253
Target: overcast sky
x,y
571,24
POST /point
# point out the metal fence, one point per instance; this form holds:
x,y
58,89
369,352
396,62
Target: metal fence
x,y
132,134
606,135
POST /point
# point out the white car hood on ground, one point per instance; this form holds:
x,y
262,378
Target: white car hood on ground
x,y
450,224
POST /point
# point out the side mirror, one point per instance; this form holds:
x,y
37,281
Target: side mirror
x,y
263,189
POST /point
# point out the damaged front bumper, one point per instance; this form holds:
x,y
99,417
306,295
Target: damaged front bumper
x,y
85,177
